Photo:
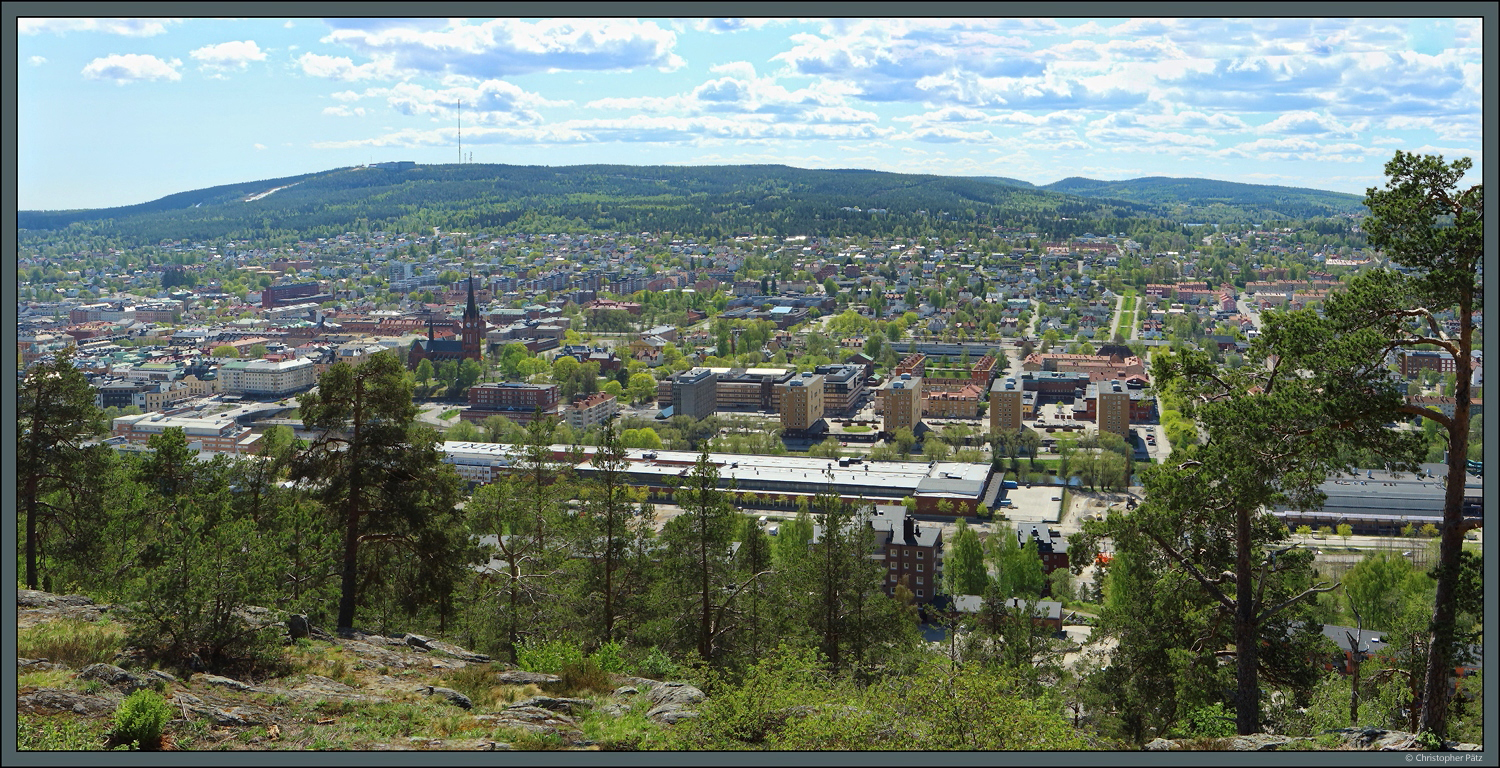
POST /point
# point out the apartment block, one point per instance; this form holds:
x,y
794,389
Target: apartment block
x,y
903,402
589,411
695,393
1114,408
1005,406
267,378
801,402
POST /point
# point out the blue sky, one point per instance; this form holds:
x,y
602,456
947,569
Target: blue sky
x,y
121,111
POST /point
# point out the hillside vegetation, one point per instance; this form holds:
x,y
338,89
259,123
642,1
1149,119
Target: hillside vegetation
x,y
706,200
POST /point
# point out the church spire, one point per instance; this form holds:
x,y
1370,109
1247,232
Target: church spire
x,y
472,310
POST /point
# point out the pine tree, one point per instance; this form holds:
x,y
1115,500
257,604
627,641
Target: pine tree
x,y
55,415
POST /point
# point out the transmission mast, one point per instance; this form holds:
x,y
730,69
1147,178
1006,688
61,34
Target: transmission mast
x,y
460,131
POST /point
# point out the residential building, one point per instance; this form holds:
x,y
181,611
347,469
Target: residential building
x,y
1114,408
1418,360
843,387
695,393
589,411
517,401
277,295
267,378
903,402
801,402
215,435
1005,406
912,552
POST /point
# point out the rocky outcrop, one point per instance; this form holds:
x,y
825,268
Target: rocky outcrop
x,y
672,702
116,678
47,701
536,720
520,677
1367,739
225,682
566,706
34,607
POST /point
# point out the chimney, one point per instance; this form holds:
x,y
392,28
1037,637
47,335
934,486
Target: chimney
x,y
909,530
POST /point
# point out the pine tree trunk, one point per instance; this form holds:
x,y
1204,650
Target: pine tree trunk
x,y
1246,636
1440,648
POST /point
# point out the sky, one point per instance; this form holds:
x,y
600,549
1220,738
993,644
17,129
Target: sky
x,y
122,111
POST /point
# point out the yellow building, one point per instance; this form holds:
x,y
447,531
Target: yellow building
x,y
801,402
1005,406
903,402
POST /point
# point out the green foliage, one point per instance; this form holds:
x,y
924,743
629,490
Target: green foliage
x,y
58,734
141,720
1210,722
964,568
71,642
549,657
225,350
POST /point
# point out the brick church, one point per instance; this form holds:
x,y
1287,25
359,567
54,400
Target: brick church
x,y
466,347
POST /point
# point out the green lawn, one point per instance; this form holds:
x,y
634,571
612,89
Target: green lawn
x,y
448,414
856,429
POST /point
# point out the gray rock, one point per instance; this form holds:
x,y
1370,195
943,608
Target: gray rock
x,y
114,677
536,720
36,665
675,694
320,684
417,641
565,705
239,717
1265,742
223,682
519,677
298,627
165,677
457,652
671,715
626,690
1160,745
453,697
48,701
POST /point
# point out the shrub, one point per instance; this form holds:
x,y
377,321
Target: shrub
x,y
658,665
579,677
549,657
71,642
609,657
140,720
1211,722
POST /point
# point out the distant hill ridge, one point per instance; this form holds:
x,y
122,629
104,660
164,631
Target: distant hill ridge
x,y
773,198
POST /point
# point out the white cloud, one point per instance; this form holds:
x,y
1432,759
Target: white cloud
x,y
37,61
343,110
132,67
509,46
1303,123
343,68
126,27
289,25
1467,128
231,55
259,145
729,25
492,101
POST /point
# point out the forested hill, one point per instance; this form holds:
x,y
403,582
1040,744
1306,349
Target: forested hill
x,y
1179,197
703,200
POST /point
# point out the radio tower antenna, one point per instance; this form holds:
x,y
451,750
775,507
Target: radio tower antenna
x,y
460,131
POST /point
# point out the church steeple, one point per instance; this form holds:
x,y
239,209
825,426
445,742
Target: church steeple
x,y
472,326
472,310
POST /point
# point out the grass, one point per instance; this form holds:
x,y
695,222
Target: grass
x,y
60,734
857,430
71,642
627,733
448,414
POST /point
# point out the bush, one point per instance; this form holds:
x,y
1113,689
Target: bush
x,y
71,642
581,677
549,657
140,720
658,665
1211,722
609,657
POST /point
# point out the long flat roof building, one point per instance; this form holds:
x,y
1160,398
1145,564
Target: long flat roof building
x,y
960,485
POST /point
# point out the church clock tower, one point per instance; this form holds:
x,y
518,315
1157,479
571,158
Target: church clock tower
x,y
473,327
